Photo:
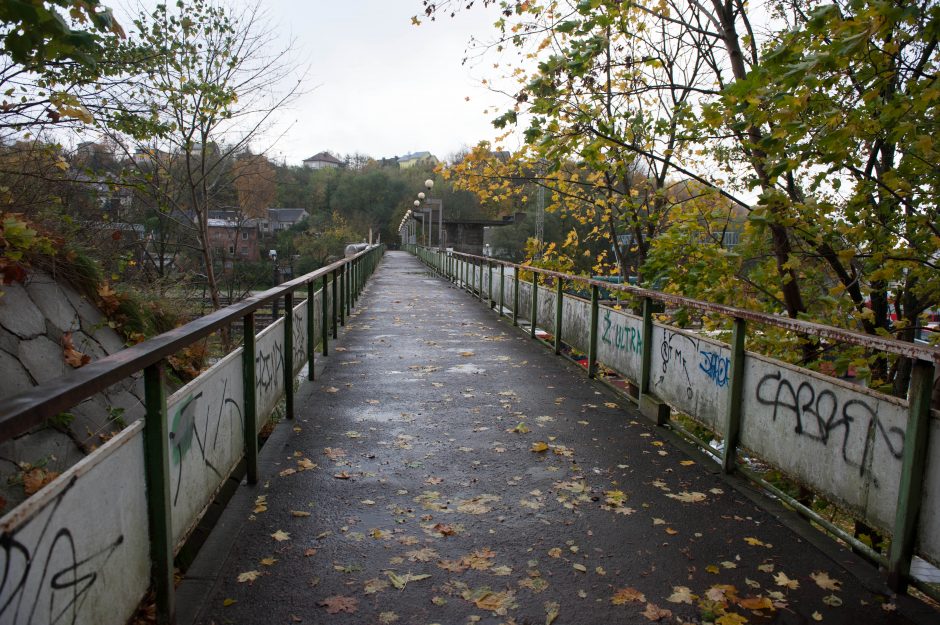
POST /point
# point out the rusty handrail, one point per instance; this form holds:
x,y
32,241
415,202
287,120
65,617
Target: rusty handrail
x,y
894,346
33,406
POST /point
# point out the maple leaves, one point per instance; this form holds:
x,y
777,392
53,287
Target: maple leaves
x,y
339,603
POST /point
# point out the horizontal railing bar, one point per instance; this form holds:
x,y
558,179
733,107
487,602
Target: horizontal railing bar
x,y
894,346
33,406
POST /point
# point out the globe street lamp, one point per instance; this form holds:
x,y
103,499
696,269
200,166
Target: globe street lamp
x,y
429,184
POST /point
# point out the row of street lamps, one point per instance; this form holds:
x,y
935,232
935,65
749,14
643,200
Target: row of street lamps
x,y
407,228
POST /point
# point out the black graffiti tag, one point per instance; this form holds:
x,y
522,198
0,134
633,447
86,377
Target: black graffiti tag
x,y
46,579
818,416
672,353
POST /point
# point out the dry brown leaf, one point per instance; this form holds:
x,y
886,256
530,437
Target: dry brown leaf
x,y
248,576
681,594
655,613
825,582
280,536
339,603
36,478
627,595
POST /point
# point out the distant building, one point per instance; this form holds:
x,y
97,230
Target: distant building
x,y
282,219
323,160
417,159
232,241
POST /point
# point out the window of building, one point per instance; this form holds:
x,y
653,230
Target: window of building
x,y
244,250
231,249
244,236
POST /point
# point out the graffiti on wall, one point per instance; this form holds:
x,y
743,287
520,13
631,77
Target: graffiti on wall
x,y
623,336
47,579
822,416
716,366
675,351
185,430
268,367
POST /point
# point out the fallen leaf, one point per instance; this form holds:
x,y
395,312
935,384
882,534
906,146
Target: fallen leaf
x,y
400,581
339,603
310,552
687,463
687,497
627,595
754,542
372,586
268,561
227,602
730,618
72,356
36,478
832,600
579,567
781,579
539,446
681,594
551,612
299,513
248,576
422,555
756,603
387,617
555,552
825,582
280,535
331,389
342,475
261,504
816,616
654,613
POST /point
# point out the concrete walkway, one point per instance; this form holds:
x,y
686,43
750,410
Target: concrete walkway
x,y
445,468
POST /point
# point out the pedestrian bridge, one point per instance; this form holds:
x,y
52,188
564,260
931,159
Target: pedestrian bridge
x,y
465,440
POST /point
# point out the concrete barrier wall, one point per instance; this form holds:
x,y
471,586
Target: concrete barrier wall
x,y
620,341
691,373
843,440
206,428
928,543
269,369
64,565
546,309
576,323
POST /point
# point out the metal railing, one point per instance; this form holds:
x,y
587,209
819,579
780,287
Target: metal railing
x,y
475,274
341,284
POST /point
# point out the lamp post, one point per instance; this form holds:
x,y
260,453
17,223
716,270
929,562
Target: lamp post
x,y
420,214
427,199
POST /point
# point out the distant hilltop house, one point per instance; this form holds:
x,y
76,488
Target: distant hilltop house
x,y
323,160
417,159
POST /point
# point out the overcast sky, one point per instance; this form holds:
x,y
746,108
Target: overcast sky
x,y
380,85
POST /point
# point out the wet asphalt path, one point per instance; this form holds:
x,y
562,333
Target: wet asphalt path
x,y
445,468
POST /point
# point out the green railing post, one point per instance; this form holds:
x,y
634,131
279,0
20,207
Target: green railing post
x,y
515,296
489,284
559,308
335,303
913,465
311,330
463,275
324,316
289,353
647,354
480,289
342,295
534,312
348,285
502,288
735,397
592,344
249,398
157,469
